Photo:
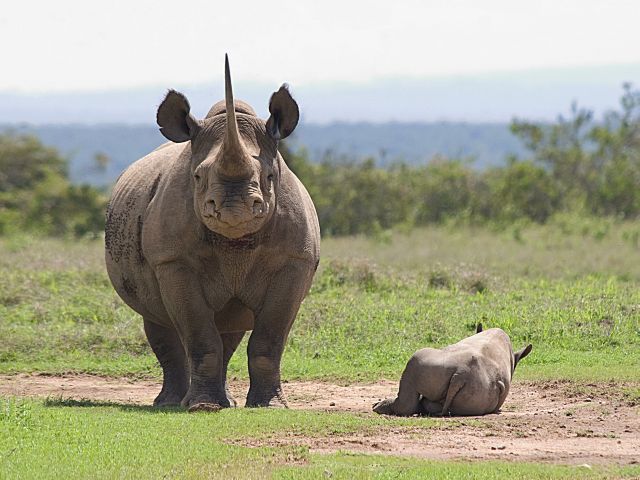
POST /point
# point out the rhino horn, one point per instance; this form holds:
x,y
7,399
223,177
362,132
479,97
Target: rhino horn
x,y
234,161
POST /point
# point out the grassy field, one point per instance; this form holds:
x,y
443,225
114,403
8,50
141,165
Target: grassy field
x,y
573,294
69,439
572,289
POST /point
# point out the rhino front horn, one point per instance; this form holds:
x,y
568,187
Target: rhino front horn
x,y
233,162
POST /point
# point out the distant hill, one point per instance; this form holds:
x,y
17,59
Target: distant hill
x,y
485,143
492,97
414,143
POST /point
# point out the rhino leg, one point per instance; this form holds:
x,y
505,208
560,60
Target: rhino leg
x,y
456,383
168,349
408,401
384,407
194,320
230,342
272,325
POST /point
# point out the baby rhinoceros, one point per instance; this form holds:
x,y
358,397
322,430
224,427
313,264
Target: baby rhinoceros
x,y
471,377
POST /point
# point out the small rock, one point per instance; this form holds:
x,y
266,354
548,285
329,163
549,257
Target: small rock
x,y
499,447
585,465
588,399
332,404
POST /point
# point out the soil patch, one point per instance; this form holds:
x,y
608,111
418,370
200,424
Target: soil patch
x,y
556,422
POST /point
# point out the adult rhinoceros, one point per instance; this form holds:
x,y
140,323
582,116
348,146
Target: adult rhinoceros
x,y
209,236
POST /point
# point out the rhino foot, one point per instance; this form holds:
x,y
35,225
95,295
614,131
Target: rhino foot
x,y
170,396
384,407
205,402
273,400
167,399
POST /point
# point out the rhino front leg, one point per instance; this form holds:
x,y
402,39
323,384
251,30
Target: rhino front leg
x,y
407,402
193,319
272,326
169,351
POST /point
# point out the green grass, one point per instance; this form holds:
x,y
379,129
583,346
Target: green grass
x,y
575,297
571,288
69,439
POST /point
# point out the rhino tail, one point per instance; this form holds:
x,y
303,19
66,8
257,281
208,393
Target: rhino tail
x,y
479,328
456,383
501,387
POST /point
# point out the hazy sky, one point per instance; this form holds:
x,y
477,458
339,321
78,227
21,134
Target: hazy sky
x,y
95,45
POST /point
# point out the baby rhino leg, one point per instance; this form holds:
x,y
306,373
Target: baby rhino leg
x,y
384,407
408,401
456,383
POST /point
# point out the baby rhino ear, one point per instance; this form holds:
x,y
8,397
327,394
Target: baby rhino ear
x,y
519,355
174,119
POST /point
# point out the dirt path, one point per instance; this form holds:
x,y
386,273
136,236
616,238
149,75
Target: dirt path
x,y
557,422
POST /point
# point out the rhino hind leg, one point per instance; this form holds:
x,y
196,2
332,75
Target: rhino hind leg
x,y
169,351
230,342
455,385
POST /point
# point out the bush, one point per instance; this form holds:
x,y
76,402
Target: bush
x,y
36,195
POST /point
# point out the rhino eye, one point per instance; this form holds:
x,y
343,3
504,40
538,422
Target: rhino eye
x,y
270,177
197,177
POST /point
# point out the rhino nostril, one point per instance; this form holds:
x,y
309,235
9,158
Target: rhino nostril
x,y
210,208
258,207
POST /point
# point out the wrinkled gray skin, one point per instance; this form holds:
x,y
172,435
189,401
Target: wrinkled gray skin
x,y
212,235
471,377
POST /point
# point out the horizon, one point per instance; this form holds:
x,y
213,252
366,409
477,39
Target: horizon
x,y
534,94
216,81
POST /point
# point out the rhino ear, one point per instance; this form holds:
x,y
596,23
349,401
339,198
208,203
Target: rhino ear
x,y
519,355
174,119
284,114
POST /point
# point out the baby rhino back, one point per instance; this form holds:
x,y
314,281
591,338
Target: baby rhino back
x,y
471,377
484,364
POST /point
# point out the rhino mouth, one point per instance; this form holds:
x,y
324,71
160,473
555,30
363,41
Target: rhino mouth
x,y
236,229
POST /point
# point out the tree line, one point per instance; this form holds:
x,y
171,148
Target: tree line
x,y
576,164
